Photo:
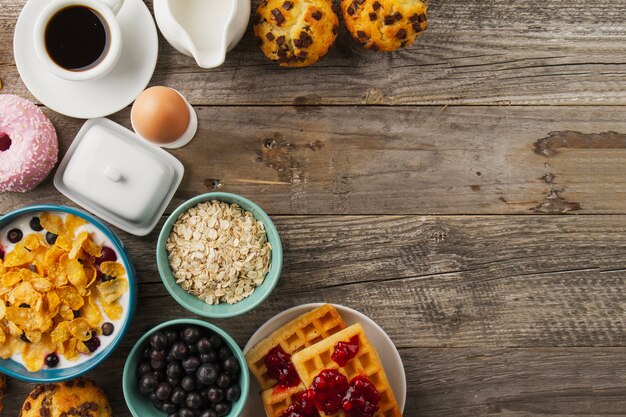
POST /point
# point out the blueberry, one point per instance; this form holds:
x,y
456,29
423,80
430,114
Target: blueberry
x,y
171,334
207,373
193,400
193,350
147,384
208,413
222,409
108,255
175,370
178,396
224,353
147,352
204,394
35,224
215,394
231,365
168,407
52,360
233,393
159,375
174,414
107,328
158,404
51,238
158,365
163,391
216,341
143,368
158,340
190,334
188,383
179,351
210,357
204,345
157,355
94,343
173,381
191,363
15,235
186,412
223,381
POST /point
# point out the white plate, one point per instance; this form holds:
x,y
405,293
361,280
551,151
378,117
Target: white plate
x,y
392,363
93,98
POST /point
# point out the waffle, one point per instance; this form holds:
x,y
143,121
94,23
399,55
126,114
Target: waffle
x,y
311,361
302,332
277,400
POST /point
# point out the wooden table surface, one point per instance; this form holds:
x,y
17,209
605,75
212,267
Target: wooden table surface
x,y
467,193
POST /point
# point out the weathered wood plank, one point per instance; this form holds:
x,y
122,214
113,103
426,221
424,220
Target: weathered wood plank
x,y
444,281
463,281
474,52
470,382
414,160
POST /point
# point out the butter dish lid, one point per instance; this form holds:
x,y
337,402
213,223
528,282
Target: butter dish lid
x,y
116,175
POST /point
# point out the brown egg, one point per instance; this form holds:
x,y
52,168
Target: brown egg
x,y
160,115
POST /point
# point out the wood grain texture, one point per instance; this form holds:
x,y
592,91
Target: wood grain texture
x,y
443,281
474,52
439,281
453,292
395,197
411,160
469,382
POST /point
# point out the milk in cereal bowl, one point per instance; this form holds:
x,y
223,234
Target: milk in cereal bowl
x,y
67,293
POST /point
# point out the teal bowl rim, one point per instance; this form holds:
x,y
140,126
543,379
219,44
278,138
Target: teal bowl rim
x,y
129,376
63,374
207,310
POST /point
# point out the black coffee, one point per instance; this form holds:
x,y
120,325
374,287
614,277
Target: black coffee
x,y
77,38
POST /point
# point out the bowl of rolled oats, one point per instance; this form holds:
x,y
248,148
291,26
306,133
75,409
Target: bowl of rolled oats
x,y
219,255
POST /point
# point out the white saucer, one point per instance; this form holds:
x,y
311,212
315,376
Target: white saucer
x,y
97,98
386,350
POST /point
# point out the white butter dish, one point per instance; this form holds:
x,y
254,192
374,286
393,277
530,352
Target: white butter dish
x,y
119,177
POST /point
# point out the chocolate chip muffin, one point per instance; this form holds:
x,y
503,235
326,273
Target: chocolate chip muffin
x,y
385,25
75,398
296,33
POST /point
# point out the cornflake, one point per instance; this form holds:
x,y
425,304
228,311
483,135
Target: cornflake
x,y
218,252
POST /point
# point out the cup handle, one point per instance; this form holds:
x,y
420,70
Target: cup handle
x,y
114,5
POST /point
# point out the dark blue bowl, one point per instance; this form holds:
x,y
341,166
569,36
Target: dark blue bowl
x,y
15,369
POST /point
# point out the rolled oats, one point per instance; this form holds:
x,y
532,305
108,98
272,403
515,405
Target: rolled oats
x,y
218,252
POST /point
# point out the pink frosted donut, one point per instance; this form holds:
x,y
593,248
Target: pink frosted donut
x,y
28,144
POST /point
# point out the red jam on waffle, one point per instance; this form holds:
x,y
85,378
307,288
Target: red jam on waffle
x,y
344,351
329,388
279,367
362,398
303,405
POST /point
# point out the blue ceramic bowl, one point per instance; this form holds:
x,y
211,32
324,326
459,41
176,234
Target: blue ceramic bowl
x,y
17,370
141,406
193,303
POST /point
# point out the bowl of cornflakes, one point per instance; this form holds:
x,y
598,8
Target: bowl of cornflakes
x,y
67,293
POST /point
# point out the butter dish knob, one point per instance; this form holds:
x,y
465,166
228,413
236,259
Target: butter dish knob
x,y
113,174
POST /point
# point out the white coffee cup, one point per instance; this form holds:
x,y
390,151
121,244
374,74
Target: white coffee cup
x,y
107,9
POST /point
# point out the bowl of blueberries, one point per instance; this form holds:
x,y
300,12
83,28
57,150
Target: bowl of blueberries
x,y
186,368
